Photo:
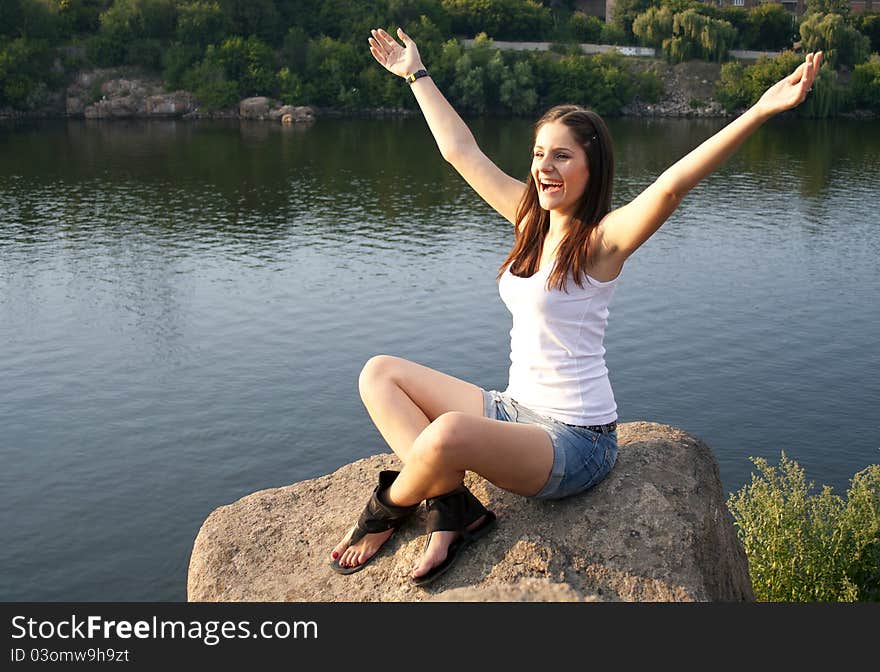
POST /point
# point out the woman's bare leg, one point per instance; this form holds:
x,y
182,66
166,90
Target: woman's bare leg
x,y
515,457
403,398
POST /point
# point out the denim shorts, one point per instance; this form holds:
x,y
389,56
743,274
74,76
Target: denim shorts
x,y
581,457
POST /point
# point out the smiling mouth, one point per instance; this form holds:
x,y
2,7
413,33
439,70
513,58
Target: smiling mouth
x,y
549,186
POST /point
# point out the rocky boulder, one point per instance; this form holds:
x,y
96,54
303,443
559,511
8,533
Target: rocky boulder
x,y
114,94
293,114
657,529
256,108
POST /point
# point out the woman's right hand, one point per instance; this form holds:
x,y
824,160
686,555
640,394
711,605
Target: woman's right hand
x,y
402,61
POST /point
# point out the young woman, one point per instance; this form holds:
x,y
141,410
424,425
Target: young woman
x,y
552,433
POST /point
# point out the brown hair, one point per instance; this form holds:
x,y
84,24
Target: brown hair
x,y
573,254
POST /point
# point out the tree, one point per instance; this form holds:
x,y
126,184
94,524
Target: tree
x,y
201,23
624,13
840,7
653,26
771,26
842,44
868,24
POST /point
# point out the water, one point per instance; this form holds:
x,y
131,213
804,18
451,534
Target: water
x,y
185,308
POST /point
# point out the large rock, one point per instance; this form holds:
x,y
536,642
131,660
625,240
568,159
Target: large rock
x,y
657,529
256,108
123,97
293,114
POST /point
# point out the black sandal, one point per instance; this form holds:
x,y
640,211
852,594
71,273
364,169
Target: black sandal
x,y
377,516
454,512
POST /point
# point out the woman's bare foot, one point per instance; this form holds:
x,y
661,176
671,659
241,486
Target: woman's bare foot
x,y
363,550
437,547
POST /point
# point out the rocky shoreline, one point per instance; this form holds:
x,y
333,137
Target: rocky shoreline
x,y
119,93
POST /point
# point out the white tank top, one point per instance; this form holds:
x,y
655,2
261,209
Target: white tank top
x,y
557,359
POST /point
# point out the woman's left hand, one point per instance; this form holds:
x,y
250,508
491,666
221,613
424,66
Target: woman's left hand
x,y
791,91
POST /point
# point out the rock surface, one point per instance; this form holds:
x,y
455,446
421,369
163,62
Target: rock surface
x,y
116,94
657,529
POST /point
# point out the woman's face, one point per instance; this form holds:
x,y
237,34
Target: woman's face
x,y
559,168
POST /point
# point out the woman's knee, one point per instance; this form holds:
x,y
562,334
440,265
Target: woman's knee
x,y
378,370
444,441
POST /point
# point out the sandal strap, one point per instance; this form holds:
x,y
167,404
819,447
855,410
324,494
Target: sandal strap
x,y
379,515
453,511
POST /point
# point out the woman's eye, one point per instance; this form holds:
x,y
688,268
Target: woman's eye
x,y
562,156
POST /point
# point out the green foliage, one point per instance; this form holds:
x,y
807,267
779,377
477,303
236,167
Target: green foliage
x,y
585,28
210,85
866,84
649,86
842,44
81,16
601,82
24,73
770,26
805,547
500,19
250,63
290,87
332,69
742,86
654,26
261,17
840,7
612,34
132,19
868,24
176,60
201,23
624,13
698,36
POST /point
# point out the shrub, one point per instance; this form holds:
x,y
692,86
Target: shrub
x,y
866,84
806,547
24,71
585,28
649,86
612,34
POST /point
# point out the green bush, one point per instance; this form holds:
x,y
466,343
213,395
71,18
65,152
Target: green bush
x,y
612,34
585,28
250,63
805,547
649,86
24,73
866,84
211,87
741,86
176,60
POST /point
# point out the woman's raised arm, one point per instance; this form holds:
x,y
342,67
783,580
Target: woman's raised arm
x,y
625,229
455,140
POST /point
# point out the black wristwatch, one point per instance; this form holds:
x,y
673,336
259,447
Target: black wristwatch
x,y
415,75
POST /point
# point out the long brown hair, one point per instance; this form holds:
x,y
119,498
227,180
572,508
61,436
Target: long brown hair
x,y
574,254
